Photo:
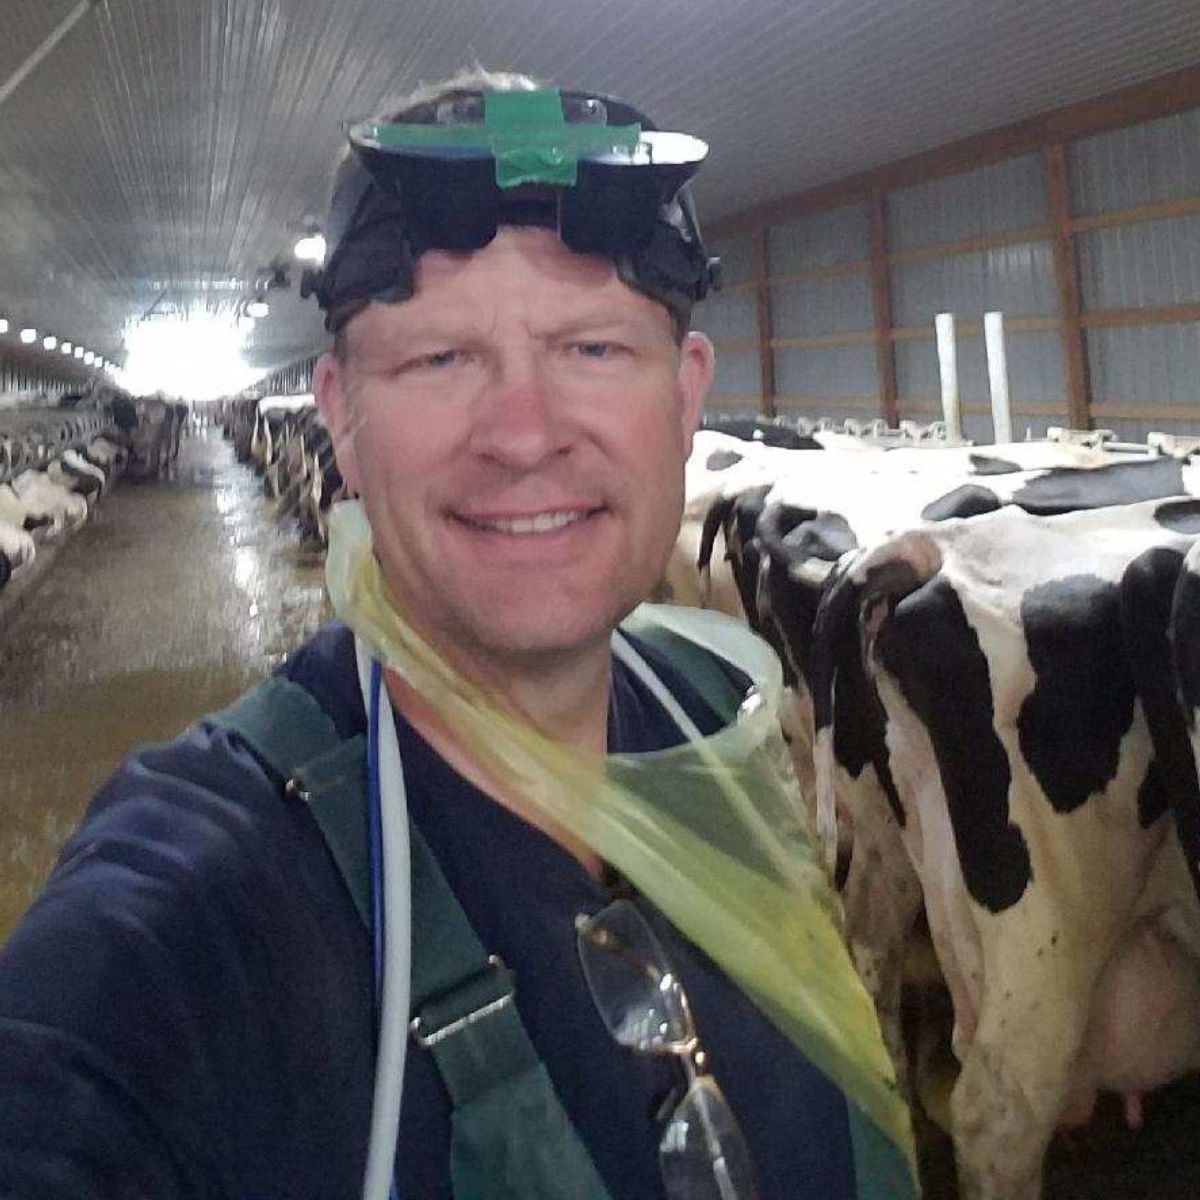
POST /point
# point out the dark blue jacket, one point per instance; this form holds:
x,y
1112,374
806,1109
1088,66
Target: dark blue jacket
x,y
185,1011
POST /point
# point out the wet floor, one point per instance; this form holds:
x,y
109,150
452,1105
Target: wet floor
x,y
165,605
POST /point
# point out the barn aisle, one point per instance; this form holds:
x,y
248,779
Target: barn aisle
x,y
170,599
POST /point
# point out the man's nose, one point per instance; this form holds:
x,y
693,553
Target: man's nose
x,y
521,421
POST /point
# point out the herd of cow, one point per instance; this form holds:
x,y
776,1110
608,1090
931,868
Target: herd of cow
x,y
994,667
284,439
53,467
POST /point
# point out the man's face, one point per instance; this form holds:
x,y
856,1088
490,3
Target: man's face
x,y
517,431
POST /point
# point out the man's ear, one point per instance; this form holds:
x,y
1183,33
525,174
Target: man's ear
x,y
697,364
334,404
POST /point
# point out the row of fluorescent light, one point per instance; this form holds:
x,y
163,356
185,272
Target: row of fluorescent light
x,y
310,248
89,358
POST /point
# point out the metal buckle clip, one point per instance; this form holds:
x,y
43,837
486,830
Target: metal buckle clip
x,y
424,1039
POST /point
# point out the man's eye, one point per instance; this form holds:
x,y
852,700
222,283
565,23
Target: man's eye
x,y
597,349
443,358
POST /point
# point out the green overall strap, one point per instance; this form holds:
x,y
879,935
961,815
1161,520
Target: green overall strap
x,y
511,1139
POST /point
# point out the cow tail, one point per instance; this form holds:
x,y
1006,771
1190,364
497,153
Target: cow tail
x,y
715,519
859,594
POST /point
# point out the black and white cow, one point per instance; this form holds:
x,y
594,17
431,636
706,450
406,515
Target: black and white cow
x,y
995,695
71,470
41,503
17,549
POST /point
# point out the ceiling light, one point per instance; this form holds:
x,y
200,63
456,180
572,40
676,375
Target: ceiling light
x,y
3,325
257,309
78,351
89,357
310,248
66,347
29,336
49,341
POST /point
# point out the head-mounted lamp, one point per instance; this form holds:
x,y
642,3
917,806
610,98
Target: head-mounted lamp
x,y
454,171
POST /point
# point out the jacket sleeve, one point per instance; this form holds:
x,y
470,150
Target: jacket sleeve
x,y
174,1011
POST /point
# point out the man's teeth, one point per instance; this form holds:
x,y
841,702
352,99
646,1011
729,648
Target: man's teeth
x,y
541,523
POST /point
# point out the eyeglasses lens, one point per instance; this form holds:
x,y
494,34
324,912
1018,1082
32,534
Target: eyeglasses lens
x,y
636,993
703,1154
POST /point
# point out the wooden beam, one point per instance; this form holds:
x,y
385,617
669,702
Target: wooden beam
x,y
1186,206
718,400
766,356
1066,272
1166,314
881,293
1149,412
1010,237
735,345
812,401
1160,97
857,266
1023,408
917,333
825,341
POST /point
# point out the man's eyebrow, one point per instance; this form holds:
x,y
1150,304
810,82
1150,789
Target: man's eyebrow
x,y
596,322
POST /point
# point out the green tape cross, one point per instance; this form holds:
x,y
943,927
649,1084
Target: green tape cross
x,y
525,133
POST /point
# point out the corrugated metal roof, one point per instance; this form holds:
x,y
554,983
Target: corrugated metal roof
x,y
167,149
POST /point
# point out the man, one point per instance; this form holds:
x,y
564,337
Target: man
x,y
187,1010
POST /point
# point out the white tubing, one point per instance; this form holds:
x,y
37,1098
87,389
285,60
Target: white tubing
x,y
397,950
943,324
31,64
641,668
993,336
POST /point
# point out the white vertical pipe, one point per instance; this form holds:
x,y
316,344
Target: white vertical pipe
x,y
948,365
65,26
993,336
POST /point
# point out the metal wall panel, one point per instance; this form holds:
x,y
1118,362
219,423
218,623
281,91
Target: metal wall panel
x,y
1132,266
1143,164
1035,371
737,373
1016,280
827,371
818,240
738,255
1149,364
1006,195
742,406
727,314
835,305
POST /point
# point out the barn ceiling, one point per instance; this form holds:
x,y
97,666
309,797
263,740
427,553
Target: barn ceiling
x,y
164,151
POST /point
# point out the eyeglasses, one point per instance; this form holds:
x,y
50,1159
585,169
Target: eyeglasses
x,y
703,1154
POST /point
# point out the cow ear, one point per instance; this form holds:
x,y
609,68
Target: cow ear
x,y
337,409
696,368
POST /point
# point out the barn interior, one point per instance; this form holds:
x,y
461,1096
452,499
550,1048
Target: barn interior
x,y
940,224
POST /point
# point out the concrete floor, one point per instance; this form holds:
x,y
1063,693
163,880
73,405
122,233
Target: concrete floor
x,y
165,605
